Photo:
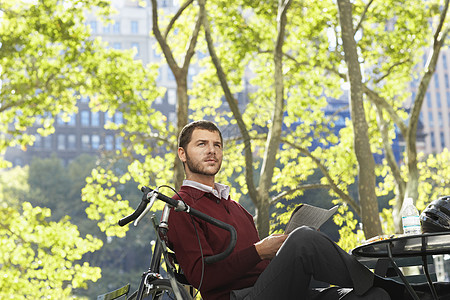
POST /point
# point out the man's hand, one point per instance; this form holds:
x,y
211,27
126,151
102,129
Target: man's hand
x,y
268,247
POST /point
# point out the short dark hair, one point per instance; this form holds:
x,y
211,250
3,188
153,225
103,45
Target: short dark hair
x,y
186,132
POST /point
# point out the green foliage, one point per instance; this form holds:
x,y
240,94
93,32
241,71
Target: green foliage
x,y
49,59
313,70
351,236
434,178
40,258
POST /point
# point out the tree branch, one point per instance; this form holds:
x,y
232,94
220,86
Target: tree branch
x,y
232,103
303,187
345,197
390,70
363,16
381,102
176,16
162,41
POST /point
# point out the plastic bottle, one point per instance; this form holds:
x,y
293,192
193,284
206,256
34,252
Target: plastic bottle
x,y
410,217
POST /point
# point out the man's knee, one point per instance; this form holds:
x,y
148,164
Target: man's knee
x,y
305,233
302,238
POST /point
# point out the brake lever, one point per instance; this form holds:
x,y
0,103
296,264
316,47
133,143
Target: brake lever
x,y
152,195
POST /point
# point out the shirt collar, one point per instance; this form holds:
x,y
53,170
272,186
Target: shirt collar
x,y
221,191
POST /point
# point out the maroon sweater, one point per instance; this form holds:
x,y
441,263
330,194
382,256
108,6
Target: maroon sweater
x,y
237,271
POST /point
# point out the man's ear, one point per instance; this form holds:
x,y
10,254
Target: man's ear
x,y
182,154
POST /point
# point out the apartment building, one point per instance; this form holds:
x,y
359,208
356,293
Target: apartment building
x,y
435,113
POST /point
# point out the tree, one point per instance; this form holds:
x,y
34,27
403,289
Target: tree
x,y
375,86
48,61
326,56
40,258
280,135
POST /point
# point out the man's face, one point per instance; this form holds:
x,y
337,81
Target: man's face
x,y
203,154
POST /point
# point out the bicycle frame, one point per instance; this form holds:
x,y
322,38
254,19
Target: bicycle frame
x,y
159,251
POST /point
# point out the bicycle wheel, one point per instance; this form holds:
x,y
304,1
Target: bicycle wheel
x,y
162,290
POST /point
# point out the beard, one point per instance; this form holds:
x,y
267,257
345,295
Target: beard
x,y
197,167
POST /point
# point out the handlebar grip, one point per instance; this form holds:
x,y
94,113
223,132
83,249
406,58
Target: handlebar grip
x,y
138,211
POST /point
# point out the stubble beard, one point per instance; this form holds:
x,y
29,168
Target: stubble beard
x,y
197,168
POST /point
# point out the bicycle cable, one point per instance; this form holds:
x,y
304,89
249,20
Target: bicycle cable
x,y
198,239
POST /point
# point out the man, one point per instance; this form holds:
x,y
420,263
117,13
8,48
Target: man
x,y
277,267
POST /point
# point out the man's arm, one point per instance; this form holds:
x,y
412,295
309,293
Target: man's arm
x,y
183,238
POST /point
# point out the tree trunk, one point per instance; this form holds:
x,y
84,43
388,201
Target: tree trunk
x,y
180,74
366,163
274,136
262,215
182,120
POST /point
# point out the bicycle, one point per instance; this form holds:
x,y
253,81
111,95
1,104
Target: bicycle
x,y
153,284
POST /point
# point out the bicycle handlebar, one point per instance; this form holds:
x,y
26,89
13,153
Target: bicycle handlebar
x,y
181,206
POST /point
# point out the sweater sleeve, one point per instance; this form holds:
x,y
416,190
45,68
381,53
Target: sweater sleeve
x,y
185,242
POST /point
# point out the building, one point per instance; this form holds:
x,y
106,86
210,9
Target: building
x,y
435,113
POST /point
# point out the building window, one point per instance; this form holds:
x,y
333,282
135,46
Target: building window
x,y
116,27
135,45
118,118
172,97
117,45
61,142
119,140
156,53
172,117
73,120
444,61
436,81
85,142
446,81
95,140
37,141
442,140
158,100
107,28
59,120
109,142
430,119
85,118
47,142
84,99
433,142
70,122
428,100
438,99
95,118
93,25
134,27
71,141
440,120
170,75
109,118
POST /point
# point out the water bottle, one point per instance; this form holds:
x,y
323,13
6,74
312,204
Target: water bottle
x,y
410,217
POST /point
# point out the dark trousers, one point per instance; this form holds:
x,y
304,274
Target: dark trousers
x,y
308,254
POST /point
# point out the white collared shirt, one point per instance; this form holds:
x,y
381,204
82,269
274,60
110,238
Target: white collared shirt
x,y
221,191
